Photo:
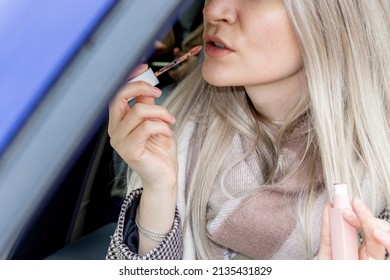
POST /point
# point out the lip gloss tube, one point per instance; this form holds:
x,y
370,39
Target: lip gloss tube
x,y
343,235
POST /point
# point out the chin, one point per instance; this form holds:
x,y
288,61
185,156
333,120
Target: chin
x,y
214,77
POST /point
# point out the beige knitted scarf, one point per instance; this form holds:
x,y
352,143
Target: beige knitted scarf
x,y
247,219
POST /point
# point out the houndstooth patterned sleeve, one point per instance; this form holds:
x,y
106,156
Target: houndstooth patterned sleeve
x,y
171,248
385,214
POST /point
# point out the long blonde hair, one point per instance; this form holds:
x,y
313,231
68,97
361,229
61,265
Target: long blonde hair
x,y
345,47
346,55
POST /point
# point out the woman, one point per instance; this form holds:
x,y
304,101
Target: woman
x,y
292,97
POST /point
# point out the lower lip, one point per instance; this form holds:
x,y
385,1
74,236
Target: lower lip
x,y
213,51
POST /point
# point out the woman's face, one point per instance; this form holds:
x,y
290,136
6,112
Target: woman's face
x,y
248,43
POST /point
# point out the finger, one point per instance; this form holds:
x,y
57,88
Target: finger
x,y
325,250
382,237
351,218
382,233
119,106
142,134
145,100
374,249
364,215
383,225
137,89
363,254
138,114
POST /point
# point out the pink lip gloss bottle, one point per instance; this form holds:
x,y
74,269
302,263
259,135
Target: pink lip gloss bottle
x,y
343,235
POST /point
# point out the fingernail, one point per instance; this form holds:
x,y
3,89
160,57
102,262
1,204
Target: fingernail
x,y
348,213
173,119
157,91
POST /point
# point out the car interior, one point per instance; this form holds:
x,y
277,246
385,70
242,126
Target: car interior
x,y
65,204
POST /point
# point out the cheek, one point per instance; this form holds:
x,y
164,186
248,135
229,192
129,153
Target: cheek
x,y
288,42
275,48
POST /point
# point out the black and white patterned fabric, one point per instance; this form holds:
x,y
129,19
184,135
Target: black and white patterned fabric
x,y
171,248
385,214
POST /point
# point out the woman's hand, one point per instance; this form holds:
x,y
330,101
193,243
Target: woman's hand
x,y
376,232
142,135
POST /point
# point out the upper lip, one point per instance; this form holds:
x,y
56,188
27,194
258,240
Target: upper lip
x,y
214,39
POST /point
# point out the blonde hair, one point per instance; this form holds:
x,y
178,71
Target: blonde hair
x,y
346,55
345,48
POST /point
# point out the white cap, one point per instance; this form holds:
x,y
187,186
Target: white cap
x,y
147,76
340,189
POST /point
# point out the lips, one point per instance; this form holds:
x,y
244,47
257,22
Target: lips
x,y
216,41
216,47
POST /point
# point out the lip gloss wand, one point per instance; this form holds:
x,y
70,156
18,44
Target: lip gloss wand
x,y
150,77
192,52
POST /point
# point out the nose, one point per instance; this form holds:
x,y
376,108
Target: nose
x,y
220,11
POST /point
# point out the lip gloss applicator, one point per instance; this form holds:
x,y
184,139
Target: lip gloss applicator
x,y
151,78
191,52
343,235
